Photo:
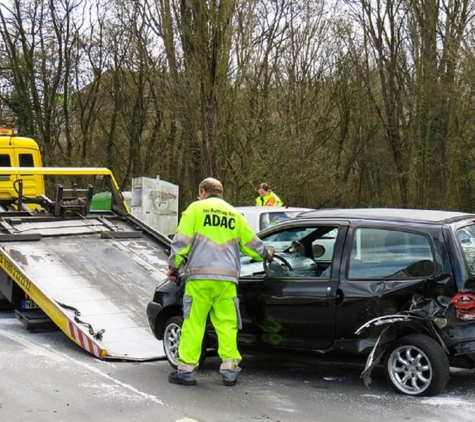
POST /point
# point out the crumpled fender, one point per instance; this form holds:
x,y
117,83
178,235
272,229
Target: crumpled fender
x,y
397,325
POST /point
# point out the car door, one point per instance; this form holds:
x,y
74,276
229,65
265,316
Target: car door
x,y
383,268
293,304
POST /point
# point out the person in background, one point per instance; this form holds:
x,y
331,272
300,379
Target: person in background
x,y
267,198
212,235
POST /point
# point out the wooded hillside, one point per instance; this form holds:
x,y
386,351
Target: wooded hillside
x,y
344,103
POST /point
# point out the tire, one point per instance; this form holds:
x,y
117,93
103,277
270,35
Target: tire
x,y
417,365
171,341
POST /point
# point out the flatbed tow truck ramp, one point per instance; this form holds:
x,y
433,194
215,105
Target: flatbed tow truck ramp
x,y
89,265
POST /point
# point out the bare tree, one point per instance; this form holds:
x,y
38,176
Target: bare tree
x,y
197,40
38,39
415,46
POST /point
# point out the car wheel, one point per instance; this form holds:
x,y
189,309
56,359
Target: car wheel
x,y
417,365
171,341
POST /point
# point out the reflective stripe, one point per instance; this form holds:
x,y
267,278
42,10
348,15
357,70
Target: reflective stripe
x,y
180,237
257,244
187,303
271,201
229,364
238,313
219,247
212,271
181,243
213,234
185,367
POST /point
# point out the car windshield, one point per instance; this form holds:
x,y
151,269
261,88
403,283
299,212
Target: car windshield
x,y
466,236
273,217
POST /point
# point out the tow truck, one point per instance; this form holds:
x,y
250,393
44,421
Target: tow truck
x,y
70,248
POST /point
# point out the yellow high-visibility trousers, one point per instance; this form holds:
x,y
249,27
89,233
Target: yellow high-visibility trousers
x,y
218,299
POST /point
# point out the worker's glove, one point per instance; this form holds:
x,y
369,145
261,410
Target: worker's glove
x,y
174,275
269,255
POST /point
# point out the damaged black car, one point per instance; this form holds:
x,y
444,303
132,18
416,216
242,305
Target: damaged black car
x,y
396,286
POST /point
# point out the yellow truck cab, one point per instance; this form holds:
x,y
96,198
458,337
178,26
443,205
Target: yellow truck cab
x,y
17,151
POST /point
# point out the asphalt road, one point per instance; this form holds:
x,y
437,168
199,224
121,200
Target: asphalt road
x,y
46,377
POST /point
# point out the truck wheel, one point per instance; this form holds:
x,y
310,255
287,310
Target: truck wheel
x,y
171,341
417,365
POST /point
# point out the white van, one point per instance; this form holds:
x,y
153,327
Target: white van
x,y
262,217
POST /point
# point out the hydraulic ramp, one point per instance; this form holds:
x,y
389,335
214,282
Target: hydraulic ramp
x,y
91,273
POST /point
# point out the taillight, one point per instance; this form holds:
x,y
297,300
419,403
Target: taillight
x,y
464,304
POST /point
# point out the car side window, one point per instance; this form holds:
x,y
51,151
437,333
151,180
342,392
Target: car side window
x,y
389,254
308,251
466,236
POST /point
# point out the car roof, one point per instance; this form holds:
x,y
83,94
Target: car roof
x,y
260,210
401,214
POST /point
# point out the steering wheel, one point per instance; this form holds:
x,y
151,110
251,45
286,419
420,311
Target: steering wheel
x,y
277,269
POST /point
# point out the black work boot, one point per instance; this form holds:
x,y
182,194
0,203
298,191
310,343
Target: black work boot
x,y
175,378
229,376
229,383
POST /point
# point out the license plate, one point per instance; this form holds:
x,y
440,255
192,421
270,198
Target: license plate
x,y
28,304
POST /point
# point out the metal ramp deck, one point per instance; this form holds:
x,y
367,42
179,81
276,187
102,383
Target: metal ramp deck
x,y
93,278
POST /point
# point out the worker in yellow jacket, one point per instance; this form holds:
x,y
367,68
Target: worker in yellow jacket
x,y
211,234
266,197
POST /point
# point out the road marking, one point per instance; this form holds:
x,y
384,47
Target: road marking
x,y
120,383
448,401
59,357
33,348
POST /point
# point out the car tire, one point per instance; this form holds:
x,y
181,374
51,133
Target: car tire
x,y
417,365
171,341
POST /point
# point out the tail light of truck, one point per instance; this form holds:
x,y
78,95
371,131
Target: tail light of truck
x,y
464,305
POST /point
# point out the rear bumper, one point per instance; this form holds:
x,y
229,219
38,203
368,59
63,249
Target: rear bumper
x,y
466,348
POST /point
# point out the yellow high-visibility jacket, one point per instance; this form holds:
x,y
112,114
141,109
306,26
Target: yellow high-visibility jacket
x,y
270,200
211,233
